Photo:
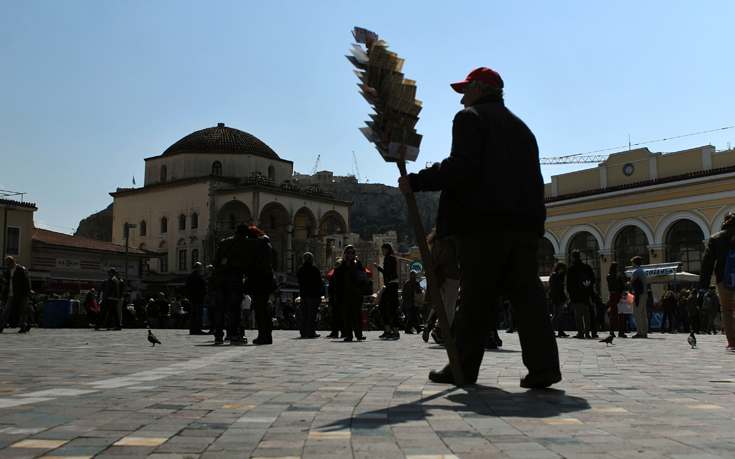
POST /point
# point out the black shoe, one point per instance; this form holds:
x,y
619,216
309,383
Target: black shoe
x,y
260,340
361,338
348,339
444,376
385,335
425,334
540,380
578,336
315,335
409,332
238,341
218,341
595,335
332,335
395,336
622,335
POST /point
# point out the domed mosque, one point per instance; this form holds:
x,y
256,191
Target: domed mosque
x,y
202,187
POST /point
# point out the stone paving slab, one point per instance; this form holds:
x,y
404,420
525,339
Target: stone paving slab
x,y
74,393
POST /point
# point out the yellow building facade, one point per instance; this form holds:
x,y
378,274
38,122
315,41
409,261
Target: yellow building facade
x,y
206,184
662,207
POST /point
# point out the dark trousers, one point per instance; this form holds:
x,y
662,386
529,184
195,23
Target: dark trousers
x,y
309,307
228,298
509,268
196,317
263,319
388,306
338,325
108,308
352,315
670,317
412,319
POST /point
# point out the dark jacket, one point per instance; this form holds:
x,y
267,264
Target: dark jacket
x,y
310,281
196,287
237,250
344,279
577,274
260,267
411,288
615,284
715,254
21,283
389,269
492,179
556,288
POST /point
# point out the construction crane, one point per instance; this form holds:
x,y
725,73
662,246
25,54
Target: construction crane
x,y
316,165
573,159
357,168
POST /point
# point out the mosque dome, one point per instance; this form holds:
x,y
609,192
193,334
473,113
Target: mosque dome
x,y
221,139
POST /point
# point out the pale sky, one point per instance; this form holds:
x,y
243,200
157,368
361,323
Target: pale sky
x,y
89,89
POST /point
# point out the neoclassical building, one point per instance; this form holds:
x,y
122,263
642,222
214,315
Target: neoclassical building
x,y
663,207
203,186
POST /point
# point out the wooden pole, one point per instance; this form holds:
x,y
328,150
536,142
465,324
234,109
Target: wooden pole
x,y
431,282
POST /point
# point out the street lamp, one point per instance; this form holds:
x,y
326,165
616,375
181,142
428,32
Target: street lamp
x,y
126,234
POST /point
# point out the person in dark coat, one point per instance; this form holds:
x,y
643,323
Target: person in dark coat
x,y
413,297
338,325
348,298
17,294
388,305
580,282
260,282
558,297
231,263
196,291
715,255
492,198
311,289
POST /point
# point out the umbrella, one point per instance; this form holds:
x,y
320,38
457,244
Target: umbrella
x,y
369,274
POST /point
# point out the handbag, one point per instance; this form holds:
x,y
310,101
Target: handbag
x,y
625,306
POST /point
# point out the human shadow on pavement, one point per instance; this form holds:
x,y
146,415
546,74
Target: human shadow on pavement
x,y
474,401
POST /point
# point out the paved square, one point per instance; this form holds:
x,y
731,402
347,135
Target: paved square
x,y
79,393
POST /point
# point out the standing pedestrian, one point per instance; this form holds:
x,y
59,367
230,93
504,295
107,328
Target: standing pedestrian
x,y
639,283
17,294
231,265
349,295
388,305
616,286
260,283
196,292
110,298
412,300
558,297
715,256
492,198
580,282
311,288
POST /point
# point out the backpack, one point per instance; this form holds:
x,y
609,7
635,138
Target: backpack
x,y
729,279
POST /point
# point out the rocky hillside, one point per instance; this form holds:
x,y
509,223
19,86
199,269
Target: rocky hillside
x,y
376,209
97,226
379,208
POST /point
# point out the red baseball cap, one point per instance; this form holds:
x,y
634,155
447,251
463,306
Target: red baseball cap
x,y
488,76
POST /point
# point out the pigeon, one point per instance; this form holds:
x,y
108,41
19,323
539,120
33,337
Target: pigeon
x,y
692,340
152,338
608,340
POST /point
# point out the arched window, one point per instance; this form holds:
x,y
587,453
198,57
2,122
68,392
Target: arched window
x,y
545,256
194,256
163,260
164,225
164,172
194,220
182,222
631,242
143,228
271,172
216,168
684,243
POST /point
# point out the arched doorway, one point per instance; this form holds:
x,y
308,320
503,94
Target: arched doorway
x,y
631,241
685,243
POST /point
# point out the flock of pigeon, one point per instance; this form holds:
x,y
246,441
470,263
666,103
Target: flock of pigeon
x,y
608,340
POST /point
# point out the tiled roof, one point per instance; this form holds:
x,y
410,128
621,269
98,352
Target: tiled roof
x,y
644,183
53,238
10,202
221,139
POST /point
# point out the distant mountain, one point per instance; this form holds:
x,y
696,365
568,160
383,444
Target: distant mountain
x,y
379,208
97,226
